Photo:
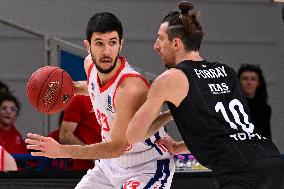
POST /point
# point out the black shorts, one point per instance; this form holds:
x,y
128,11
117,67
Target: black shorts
x,y
267,173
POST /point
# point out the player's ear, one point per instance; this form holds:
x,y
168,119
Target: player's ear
x,y
176,43
121,44
87,45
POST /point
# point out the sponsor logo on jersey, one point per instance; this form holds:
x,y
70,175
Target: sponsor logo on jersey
x,y
93,96
93,86
219,88
246,136
109,105
132,184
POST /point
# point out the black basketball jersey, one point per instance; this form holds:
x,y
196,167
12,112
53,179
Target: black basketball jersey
x,y
213,119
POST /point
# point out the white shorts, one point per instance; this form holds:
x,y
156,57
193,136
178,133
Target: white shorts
x,y
151,175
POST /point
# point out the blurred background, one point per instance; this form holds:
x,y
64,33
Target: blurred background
x,y
35,33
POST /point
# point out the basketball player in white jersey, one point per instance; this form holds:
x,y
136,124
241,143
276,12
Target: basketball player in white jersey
x,y
117,92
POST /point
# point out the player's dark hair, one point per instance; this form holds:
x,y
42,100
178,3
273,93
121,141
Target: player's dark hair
x,y
185,25
9,97
261,91
4,88
104,22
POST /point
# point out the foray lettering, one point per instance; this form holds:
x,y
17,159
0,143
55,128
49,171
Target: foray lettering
x,y
50,92
211,73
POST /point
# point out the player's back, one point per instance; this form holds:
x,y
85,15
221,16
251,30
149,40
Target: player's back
x,y
103,103
213,118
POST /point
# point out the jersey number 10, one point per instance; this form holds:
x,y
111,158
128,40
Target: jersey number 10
x,y
246,125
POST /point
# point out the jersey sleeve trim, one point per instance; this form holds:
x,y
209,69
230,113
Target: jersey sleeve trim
x,y
89,72
127,76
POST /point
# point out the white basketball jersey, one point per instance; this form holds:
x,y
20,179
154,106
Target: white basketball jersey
x,y
103,105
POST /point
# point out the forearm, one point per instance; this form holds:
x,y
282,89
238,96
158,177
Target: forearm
x,y
159,122
103,150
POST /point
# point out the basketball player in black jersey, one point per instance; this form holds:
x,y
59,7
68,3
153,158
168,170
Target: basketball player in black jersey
x,y
209,109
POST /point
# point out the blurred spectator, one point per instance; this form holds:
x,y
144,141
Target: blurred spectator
x,y
10,137
4,89
7,162
55,134
80,126
60,164
254,87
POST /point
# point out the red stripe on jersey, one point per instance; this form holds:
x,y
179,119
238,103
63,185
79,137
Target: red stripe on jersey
x,y
162,147
112,80
123,78
2,158
89,72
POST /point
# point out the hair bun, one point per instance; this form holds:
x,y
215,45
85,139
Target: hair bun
x,y
185,7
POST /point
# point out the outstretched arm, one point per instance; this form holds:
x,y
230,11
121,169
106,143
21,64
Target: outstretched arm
x,y
136,92
160,121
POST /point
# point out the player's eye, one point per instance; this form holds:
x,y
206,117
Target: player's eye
x,y
98,43
113,43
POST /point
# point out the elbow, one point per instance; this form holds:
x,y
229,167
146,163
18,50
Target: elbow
x,y
129,137
118,152
64,138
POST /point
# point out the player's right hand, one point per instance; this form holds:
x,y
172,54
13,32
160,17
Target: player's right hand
x,y
44,146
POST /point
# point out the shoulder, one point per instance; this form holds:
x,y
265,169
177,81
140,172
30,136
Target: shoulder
x,y
267,107
130,92
172,86
74,104
229,69
88,62
132,85
13,128
172,77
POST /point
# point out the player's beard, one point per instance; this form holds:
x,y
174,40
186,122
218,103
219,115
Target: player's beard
x,y
168,64
108,70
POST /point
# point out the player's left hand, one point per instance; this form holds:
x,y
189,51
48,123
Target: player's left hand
x,y
168,142
44,146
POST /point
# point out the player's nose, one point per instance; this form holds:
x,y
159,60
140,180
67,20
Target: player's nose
x,y
106,51
156,47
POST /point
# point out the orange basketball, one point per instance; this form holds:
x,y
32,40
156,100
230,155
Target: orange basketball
x,y
50,89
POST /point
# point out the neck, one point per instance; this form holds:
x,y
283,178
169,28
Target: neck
x,y
105,77
5,126
250,96
192,55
